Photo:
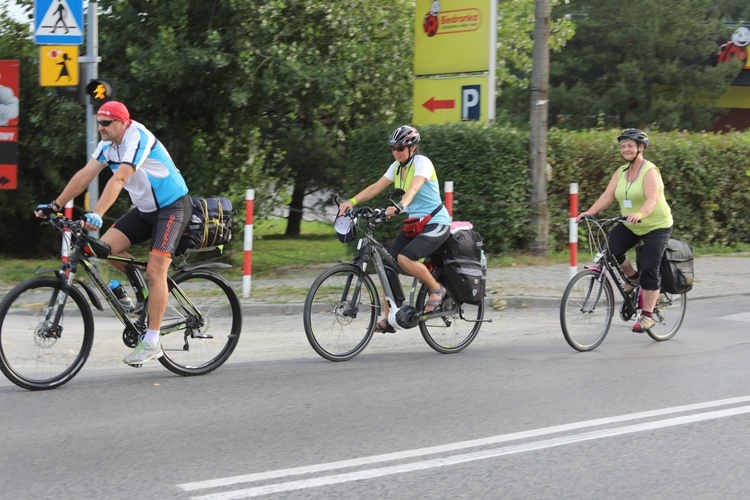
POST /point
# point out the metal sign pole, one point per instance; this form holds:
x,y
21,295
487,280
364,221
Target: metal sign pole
x,y
91,61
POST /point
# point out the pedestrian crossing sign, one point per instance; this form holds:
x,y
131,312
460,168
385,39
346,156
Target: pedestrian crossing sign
x,y
58,22
58,66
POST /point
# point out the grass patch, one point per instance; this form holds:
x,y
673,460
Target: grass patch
x,y
317,247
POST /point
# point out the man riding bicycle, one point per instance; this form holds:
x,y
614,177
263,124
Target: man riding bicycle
x,y
142,166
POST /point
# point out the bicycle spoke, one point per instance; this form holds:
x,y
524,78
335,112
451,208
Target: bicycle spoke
x,y
36,351
586,310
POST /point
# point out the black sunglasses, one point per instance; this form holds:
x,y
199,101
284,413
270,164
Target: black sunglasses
x,y
398,148
105,123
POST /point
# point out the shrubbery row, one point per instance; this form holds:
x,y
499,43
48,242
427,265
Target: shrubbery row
x,y
706,176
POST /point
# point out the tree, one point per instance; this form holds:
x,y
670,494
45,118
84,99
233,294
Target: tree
x,y
331,73
645,64
224,82
538,120
515,28
51,145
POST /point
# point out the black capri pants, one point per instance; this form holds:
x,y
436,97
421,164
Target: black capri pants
x,y
622,239
425,243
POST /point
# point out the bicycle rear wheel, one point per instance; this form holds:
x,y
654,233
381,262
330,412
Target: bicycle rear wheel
x,y
199,333
453,332
668,313
586,310
340,312
35,352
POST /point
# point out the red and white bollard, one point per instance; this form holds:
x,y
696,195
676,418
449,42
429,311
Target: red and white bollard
x,y
573,229
248,246
448,190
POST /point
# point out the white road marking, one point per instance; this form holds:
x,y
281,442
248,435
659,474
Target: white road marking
x,y
468,457
744,317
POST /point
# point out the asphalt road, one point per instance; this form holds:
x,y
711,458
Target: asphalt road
x,y
518,414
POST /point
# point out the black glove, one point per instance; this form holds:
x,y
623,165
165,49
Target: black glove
x,y
48,208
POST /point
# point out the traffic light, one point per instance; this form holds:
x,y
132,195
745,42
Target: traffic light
x,y
100,91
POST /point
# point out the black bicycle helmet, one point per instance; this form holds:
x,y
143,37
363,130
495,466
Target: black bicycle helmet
x,y
639,136
405,135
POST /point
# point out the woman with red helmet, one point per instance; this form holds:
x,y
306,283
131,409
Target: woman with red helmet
x,y
639,190
415,174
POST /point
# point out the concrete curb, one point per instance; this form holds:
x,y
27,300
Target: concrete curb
x,y
512,302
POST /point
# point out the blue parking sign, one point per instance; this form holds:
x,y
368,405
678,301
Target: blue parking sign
x,y
58,22
471,102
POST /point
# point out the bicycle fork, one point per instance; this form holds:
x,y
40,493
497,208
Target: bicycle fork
x,y
589,305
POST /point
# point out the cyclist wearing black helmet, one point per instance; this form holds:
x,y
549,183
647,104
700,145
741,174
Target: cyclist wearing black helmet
x,y
639,189
415,174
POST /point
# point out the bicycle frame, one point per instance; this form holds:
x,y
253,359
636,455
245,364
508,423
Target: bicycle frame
x,y
370,249
82,248
605,261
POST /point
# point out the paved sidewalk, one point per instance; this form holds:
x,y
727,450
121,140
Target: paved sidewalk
x,y
507,287
525,286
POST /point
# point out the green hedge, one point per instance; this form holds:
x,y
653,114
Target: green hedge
x,y
706,178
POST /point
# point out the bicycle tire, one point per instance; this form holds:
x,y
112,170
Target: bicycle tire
x,y
585,313
448,334
199,336
669,313
32,354
336,331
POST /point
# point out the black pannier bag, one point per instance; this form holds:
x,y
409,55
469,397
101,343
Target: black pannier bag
x,y
210,224
464,275
676,267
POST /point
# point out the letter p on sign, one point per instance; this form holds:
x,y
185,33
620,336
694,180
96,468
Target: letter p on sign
x,y
470,102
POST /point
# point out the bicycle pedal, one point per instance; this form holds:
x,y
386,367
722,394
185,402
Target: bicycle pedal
x,y
136,366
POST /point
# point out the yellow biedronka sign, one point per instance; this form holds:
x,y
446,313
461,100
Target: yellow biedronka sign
x,y
454,61
452,36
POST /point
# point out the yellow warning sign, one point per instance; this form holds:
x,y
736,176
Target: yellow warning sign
x,y
58,65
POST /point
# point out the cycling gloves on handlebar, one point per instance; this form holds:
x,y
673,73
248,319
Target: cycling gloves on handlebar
x,y
94,219
48,208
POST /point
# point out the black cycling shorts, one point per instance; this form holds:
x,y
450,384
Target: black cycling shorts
x,y
164,227
425,243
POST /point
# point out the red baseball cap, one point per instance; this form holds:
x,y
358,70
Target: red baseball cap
x,y
115,110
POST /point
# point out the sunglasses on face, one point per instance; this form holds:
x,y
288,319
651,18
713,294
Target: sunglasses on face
x,y
400,149
105,123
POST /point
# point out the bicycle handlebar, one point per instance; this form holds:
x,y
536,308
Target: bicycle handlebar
x,y
61,222
373,214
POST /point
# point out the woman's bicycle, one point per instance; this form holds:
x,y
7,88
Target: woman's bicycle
x,y
343,303
588,303
47,324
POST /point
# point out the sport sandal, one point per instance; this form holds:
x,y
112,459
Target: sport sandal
x,y
433,304
383,326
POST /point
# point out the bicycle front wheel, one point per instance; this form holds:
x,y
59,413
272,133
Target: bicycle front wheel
x,y
202,323
668,313
586,310
37,352
340,312
452,332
